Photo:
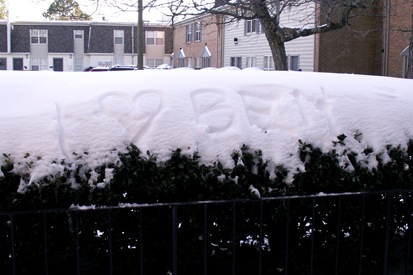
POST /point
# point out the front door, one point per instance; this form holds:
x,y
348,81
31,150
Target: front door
x,y
58,64
18,64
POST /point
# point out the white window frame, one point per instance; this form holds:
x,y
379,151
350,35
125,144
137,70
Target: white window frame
x,y
236,61
78,64
154,62
251,61
155,38
38,36
39,64
252,26
118,37
291,63
268,63
189,32
78,34
198,31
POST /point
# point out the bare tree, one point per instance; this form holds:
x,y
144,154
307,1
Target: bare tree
x,y
320,16
3,9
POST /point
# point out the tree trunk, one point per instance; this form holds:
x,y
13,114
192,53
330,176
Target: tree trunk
x,y
275,38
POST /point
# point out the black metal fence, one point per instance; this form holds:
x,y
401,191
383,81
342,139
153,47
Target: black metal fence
x,y
348,233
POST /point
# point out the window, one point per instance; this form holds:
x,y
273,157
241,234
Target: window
x,y
251,26
39,64
153,63
189,33
78,34
294,62
250,61
154,38
198,31
236,62
38,36
118,34
268,63
78,64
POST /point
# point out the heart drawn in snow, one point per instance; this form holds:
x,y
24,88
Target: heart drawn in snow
x,y
135,113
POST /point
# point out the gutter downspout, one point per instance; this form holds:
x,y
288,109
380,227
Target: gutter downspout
x,y
133,43
221,29
88,41
8,33
385,70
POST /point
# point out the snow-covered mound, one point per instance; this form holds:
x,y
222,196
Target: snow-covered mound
x,y
46,116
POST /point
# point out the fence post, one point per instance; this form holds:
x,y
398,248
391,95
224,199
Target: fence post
x,y
13,244
141,239
387,232
174,240
77,242
287,235
46,264
338,233
205,239
233,236
362,220
110,243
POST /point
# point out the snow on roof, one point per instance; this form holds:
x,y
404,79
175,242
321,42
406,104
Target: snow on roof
x,y
52,115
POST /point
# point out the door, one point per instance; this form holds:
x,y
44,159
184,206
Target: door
x,y
18,64
58,64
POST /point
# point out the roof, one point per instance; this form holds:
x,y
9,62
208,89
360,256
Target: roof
x,y
84,23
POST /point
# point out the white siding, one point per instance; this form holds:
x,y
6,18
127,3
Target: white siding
x,y
256,45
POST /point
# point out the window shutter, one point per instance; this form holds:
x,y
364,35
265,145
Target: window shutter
x,y
245,27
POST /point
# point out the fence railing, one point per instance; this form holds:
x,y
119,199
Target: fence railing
x,y
347,233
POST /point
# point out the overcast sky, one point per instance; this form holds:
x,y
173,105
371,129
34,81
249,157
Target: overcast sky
x,y
31,10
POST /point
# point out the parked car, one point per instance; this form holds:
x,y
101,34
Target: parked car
x,y
164,67
99,69
123,68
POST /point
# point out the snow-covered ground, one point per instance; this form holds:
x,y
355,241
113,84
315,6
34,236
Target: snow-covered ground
x,y
46,116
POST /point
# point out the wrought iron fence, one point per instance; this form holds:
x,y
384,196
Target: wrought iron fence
x,y
347,233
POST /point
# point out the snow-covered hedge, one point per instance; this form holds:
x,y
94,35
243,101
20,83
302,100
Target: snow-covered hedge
x,y
138,177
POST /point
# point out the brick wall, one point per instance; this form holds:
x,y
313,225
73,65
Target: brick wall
x,y
399,16
354,49
211,36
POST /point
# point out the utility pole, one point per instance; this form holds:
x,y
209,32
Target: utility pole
x,y
140,36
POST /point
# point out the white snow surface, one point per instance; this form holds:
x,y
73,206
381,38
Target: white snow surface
x,y
85,117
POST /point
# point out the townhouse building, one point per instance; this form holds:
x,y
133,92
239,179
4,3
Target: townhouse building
x,y
375,44
245,44
198,42
72,46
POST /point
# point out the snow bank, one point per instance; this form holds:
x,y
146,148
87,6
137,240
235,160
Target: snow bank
x,y
87,117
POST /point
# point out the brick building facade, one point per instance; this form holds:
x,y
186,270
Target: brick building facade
x,y
397,30
373,44
198,42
